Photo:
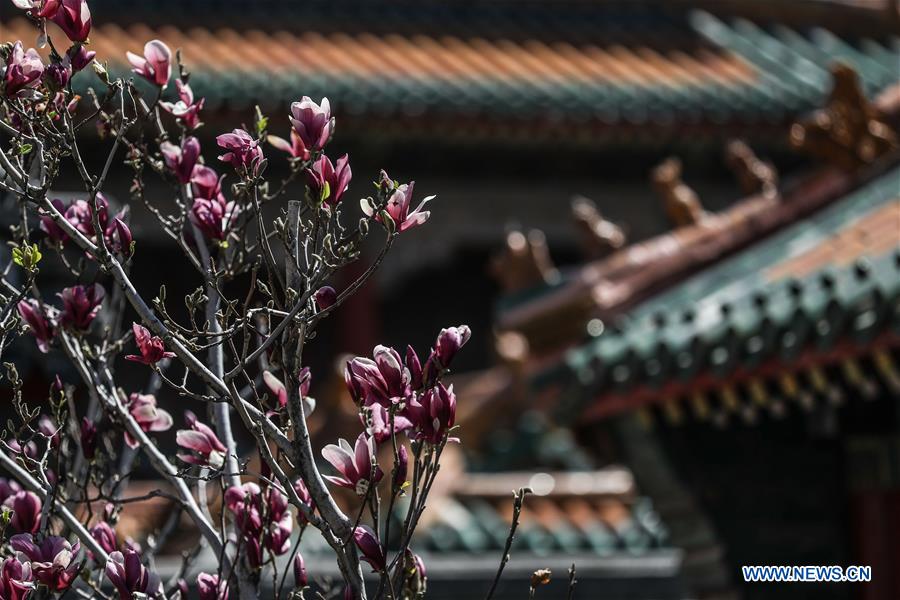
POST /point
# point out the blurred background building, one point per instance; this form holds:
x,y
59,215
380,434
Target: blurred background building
x,y
684,343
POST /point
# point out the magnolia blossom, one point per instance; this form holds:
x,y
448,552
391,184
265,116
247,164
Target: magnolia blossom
x,y
434,413
155,65
242,151
54,232
148,416
377,421
301,580
105,536
384,380
80,57
203,441
8,487
356,466
213,217
415,368
38,321
74,18
368,544
398,206
305,497
52,561
295,148
185,109
129,576
26,509
277,388
210,588
151,347
88,438
325,297
416,576
245,504
15,579
23,70
80,214
39,9
328,182
181,159
205,182
57,75
448,343
402,467
312,122
279,522
80,306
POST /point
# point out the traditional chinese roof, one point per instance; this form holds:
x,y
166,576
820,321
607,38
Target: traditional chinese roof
x,y
593,512
815,304
590,74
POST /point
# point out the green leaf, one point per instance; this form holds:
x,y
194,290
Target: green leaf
x,y
27,257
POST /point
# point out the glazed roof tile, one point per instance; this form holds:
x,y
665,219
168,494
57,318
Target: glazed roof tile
x,y
822,295
592,74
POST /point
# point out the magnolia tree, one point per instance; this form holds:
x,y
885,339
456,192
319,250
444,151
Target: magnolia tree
x,y
236,357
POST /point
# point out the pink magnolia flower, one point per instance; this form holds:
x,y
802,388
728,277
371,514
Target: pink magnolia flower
x,y
16,579
415,368
301,579
213,217
185,109
245,504
38,321
151,347
384,380
155,65
402,466
88,438
54,232
377,421
8,487
242,151
279,522
295,148
415,579
306,498
325,297
105,536
202,440
328,182
57,75
52,561
398,206
80,57
129,576
74,18
368,544
206,183
39,9
80,306
119,238
26,508
181,159
23,70
210,588
357,469
434,413
448,343
80,214
277,388
150,418
312,122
